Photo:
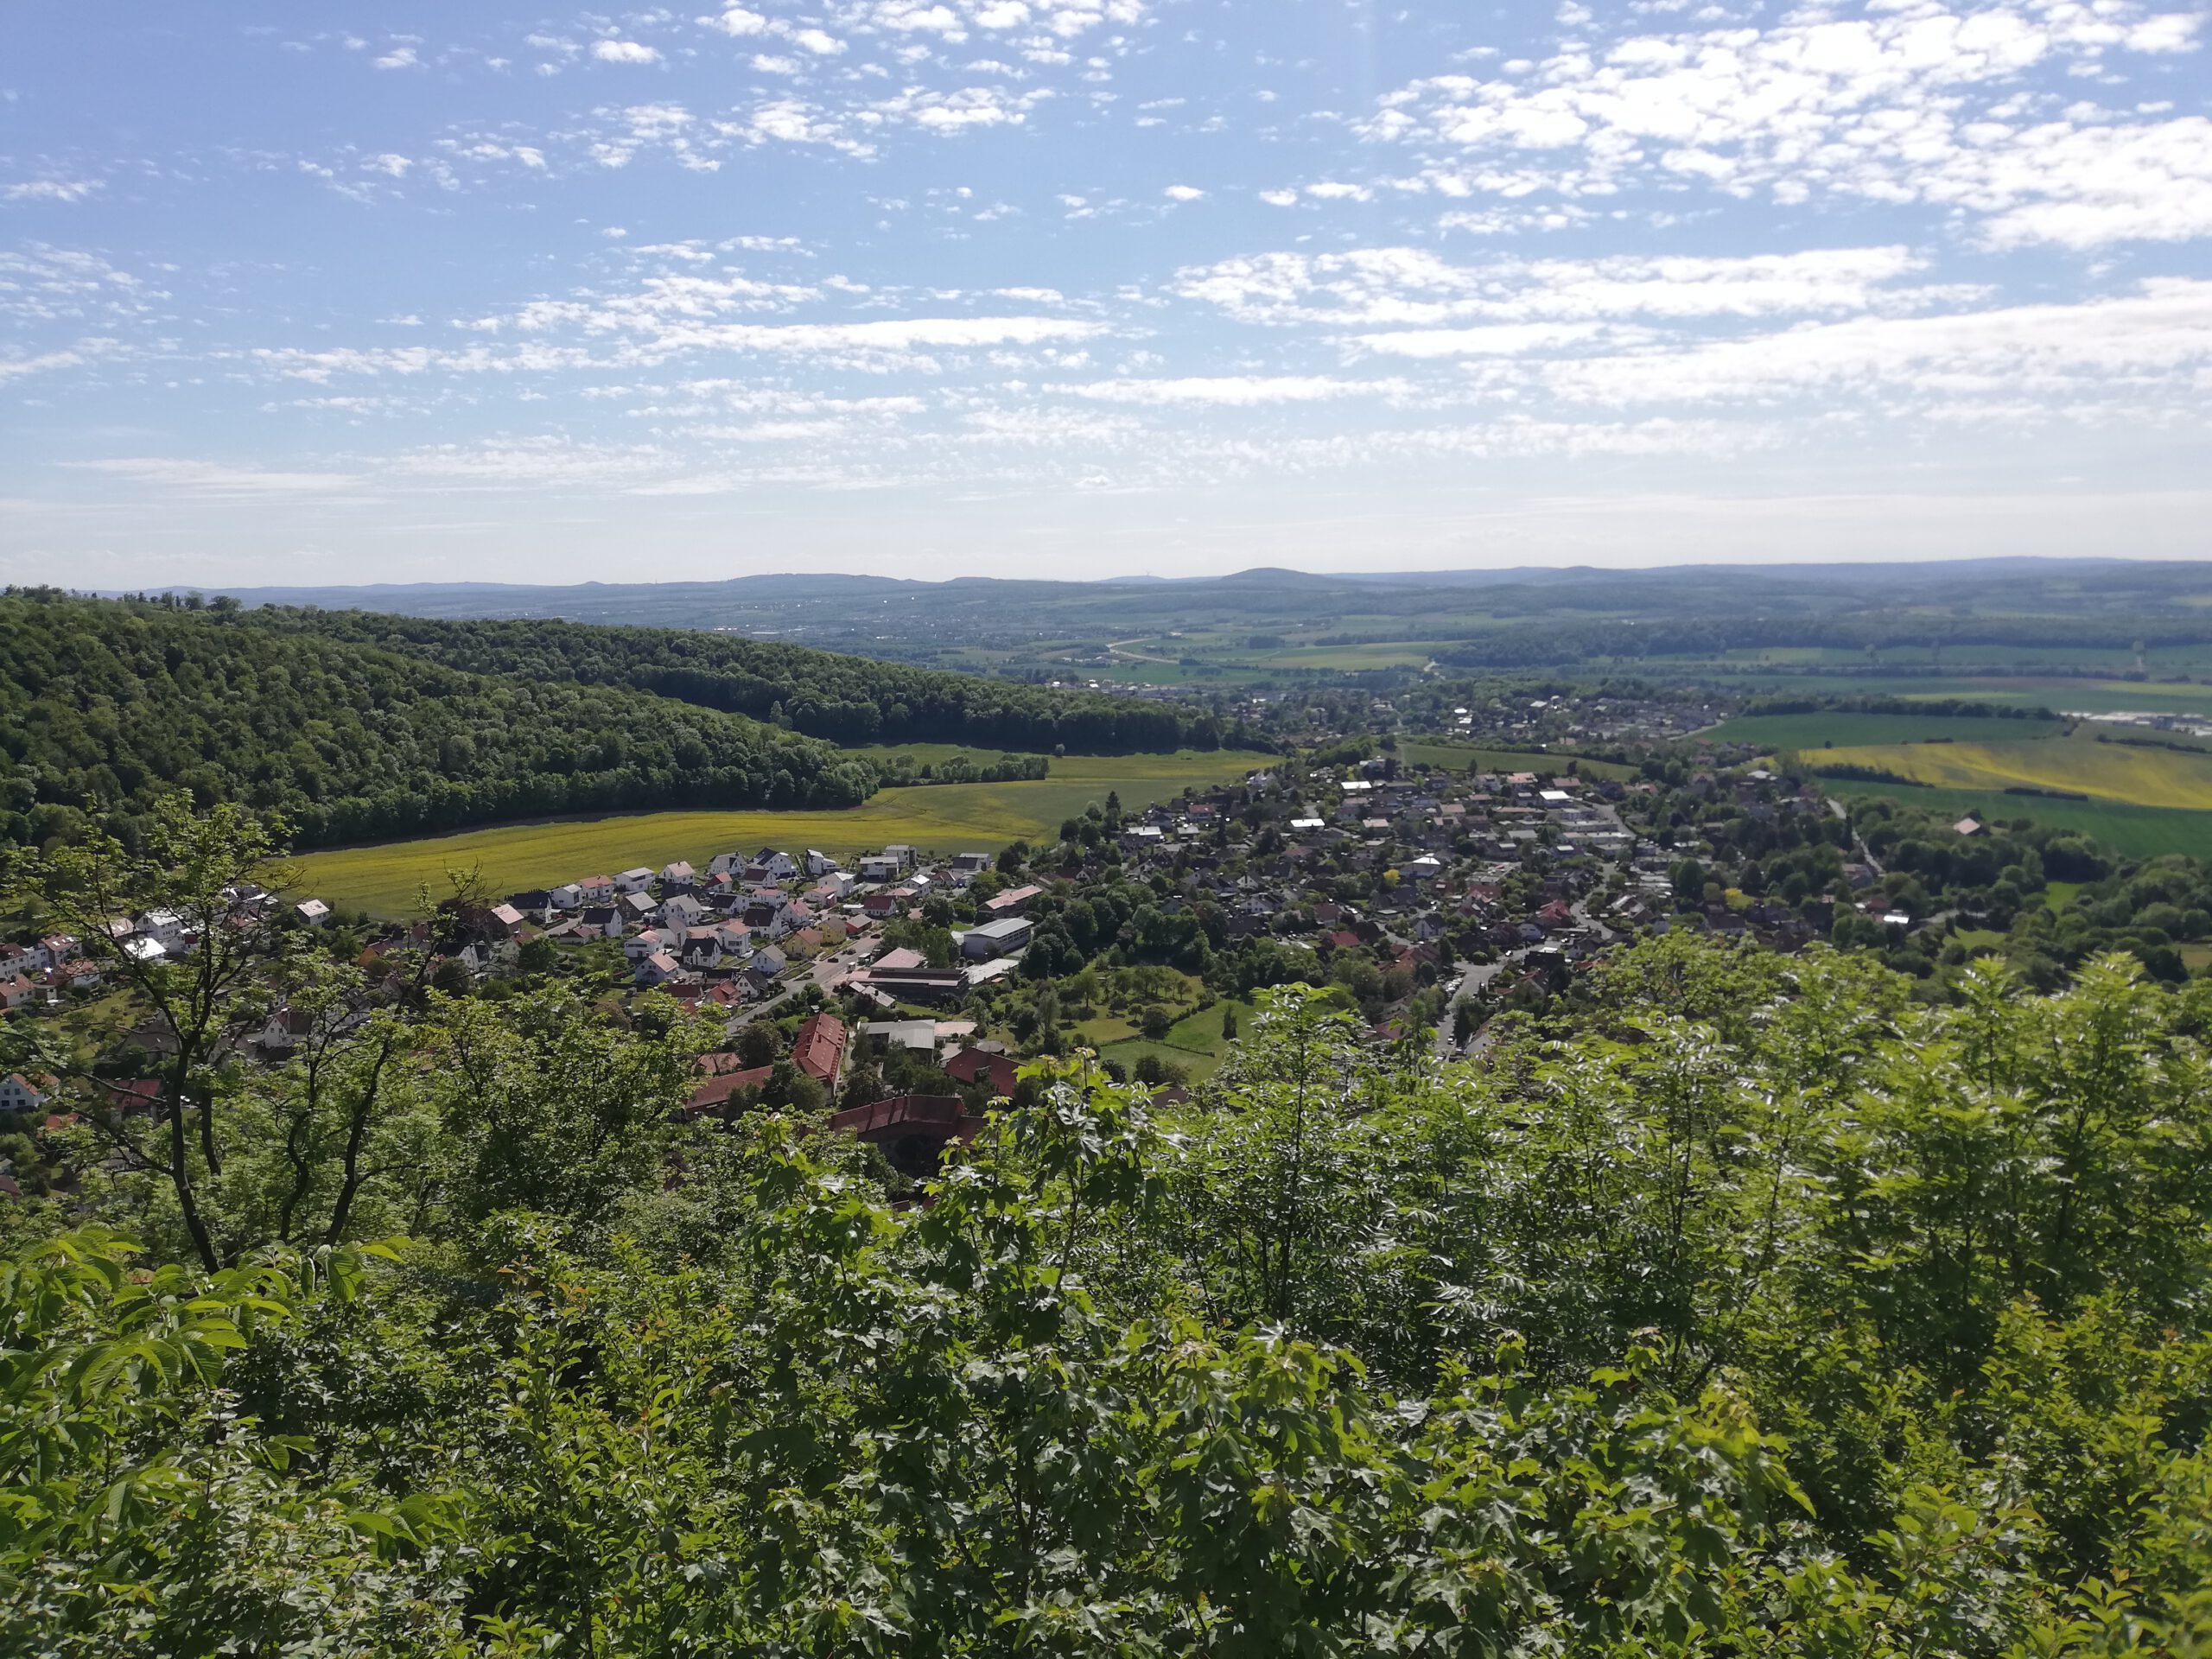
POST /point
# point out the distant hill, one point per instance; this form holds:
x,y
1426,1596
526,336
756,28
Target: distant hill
x,y
818,604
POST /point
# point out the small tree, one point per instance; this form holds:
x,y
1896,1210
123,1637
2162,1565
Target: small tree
x,y
193,867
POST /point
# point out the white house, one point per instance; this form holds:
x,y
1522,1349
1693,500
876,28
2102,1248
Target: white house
x,y
819,864
638,946
140,949
22,959
313,912
780,866
682,911
18,992
566,896
658,969
881,867
635,881
19,1094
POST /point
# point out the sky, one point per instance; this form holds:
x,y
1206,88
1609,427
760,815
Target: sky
x,y
329,293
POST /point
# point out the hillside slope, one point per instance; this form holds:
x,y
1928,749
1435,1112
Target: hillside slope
x,y
116,702
820,693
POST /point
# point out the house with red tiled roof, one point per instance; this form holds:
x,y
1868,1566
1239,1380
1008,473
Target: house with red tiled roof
x,y
714,1095
977,1065
819,1050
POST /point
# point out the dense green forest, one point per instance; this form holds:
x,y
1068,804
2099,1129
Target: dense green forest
x,y
1748,1307
113,703
848,699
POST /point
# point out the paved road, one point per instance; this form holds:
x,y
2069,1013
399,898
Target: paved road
x,y
824,971
1478,975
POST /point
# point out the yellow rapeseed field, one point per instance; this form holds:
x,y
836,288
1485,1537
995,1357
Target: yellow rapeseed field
x,y
943,818
2112,771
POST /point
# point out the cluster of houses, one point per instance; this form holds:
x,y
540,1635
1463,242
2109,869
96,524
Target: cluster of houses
x,y
1446,846
39,973
729,933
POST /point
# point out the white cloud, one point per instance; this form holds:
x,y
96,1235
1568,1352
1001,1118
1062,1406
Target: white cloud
x,y
737,20
1412,286
1234,391
1184,193
214,478
50,190
400,57
1499,339
12,368
2159,334
1914,101
624,52
887,335
815,40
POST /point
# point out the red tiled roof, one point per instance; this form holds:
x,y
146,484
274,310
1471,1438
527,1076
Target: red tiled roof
x,y
820,1050
971,1064
716,1091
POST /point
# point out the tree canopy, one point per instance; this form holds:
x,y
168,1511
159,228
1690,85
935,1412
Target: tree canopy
x,y
1759,1308
110,704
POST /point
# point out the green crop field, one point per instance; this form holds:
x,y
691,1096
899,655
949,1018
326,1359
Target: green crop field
x,y
941,817
1454,757
2136,831
2113,771
1841,730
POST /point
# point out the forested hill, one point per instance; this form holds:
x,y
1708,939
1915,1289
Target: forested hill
x,y
116,701
820,693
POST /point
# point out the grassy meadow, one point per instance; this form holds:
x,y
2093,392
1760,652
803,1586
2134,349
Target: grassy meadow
x,y
2136,831
941,817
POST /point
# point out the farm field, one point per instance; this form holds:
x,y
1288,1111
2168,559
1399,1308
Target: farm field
x,y
2113,771
1454,757
2136,831
1841,730
942,818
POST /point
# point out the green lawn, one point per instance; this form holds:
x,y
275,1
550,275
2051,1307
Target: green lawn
x,y
2136,831
1199,1066
937,817
1200,1033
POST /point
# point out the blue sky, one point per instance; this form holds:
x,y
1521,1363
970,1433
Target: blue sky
x,y
1084,288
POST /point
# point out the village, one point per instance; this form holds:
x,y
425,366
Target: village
x,y
899,992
